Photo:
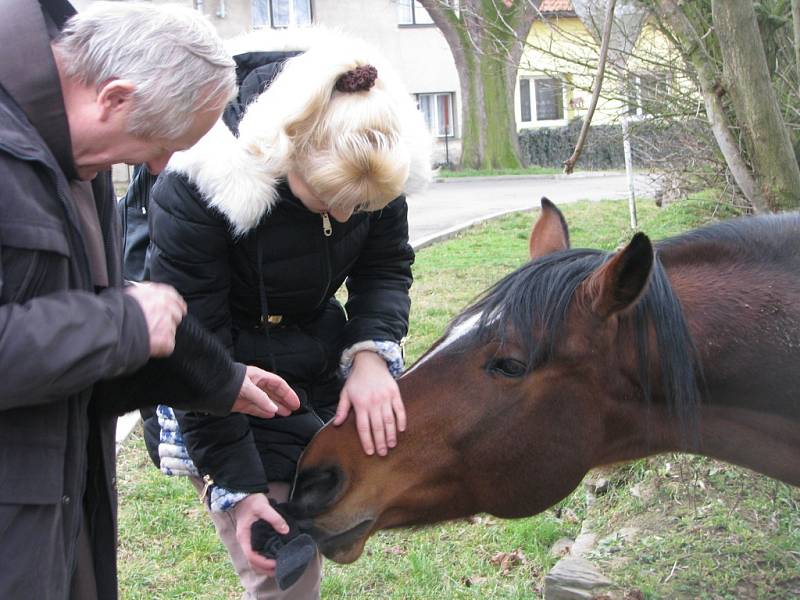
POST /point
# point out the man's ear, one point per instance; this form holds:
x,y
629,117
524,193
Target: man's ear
x,y
114,96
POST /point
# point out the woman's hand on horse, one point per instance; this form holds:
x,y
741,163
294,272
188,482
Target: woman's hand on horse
x,y
247,512
264,394
375,398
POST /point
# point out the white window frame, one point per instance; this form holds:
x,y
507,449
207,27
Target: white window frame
x,y
415,6
434,125
535,120
636,101
266,7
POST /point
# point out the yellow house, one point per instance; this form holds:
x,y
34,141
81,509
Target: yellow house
x,y
557,71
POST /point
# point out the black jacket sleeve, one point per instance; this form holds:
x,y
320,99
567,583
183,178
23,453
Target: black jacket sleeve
x,y
189,250
199,374
378,285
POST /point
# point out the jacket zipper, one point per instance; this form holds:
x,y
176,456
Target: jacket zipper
x,y
327,228
207,483
327,231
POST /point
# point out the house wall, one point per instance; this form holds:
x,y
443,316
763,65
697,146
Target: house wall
x,y
561,46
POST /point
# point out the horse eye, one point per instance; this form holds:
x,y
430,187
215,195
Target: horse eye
x,y
507,367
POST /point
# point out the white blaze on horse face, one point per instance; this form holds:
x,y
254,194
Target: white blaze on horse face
x,y
458,332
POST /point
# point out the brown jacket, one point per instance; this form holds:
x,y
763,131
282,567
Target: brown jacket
x,y
59,336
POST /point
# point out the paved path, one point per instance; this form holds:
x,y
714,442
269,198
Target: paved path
x,y
451,205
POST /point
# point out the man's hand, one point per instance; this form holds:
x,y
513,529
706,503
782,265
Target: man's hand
x,y
264,395
248,511
163,310
373,393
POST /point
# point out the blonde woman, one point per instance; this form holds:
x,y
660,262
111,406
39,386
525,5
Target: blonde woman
x,y
298,190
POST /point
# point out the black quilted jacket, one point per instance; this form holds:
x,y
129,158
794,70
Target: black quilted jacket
x,y
290,265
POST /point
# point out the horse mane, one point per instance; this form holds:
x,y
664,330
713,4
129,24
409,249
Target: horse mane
x,y
757,239
531,305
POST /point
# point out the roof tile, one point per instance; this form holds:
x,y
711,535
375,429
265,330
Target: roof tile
x,y
556,6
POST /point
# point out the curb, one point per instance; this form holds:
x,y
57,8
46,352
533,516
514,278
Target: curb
x,y
451,232
556,176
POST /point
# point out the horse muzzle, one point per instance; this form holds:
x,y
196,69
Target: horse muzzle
x,y
346,546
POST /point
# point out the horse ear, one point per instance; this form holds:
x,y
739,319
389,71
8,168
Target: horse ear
x,y
618,283
549,233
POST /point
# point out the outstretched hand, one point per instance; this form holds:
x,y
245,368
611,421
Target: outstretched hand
x,y
264,394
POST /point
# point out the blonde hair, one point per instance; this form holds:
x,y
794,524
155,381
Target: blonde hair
x,y
354,149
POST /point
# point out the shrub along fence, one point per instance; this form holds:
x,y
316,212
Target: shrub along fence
x,y
652,142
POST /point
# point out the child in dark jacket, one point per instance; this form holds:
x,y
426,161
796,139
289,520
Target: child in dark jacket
x,y
297,191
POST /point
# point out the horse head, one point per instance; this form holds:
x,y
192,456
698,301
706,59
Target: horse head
x,y
506,412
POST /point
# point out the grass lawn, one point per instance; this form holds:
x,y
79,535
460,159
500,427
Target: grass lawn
x,y
701,529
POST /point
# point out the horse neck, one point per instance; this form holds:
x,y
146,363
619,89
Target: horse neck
x,y
744,318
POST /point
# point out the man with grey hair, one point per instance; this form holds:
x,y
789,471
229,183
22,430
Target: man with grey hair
x,y
120,83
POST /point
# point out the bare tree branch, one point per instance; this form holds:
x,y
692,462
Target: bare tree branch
x,y
569,164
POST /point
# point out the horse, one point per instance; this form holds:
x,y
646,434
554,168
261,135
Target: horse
x,y
581,358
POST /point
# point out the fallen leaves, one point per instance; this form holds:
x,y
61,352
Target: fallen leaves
x,y
508,560
473,580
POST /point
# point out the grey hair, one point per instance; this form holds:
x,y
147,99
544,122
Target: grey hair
x,y
171,53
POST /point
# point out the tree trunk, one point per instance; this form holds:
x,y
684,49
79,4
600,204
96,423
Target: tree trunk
x,y
694,51
796,28
746,76
485,39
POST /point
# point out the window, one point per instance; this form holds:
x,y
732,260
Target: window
x,y
525,99
437,109
411,12
280,14
647,92
547,103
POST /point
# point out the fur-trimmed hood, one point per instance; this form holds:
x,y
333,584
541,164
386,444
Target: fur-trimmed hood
x,y
231,171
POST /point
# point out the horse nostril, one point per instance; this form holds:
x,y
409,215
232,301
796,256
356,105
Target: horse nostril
x,y
317,488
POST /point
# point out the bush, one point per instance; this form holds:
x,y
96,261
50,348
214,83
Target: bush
x,y
551,146
654,142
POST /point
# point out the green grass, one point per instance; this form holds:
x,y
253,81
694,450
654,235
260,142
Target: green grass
x,y
737,536
705,530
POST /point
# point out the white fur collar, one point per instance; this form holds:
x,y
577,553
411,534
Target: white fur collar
x,y
229,178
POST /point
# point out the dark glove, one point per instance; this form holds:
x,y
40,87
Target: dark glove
x,y
292,551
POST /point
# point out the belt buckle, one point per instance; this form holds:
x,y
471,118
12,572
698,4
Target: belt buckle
x,y
271,320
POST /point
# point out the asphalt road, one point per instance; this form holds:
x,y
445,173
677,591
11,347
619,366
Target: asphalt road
x,y
450,205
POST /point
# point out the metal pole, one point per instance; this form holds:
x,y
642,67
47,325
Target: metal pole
x,y
447,132
626,146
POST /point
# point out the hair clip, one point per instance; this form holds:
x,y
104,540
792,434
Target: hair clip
x,y
360,79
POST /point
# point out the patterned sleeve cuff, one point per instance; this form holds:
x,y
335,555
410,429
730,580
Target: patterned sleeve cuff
x,y
222,500
389,351
175,460
173,457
